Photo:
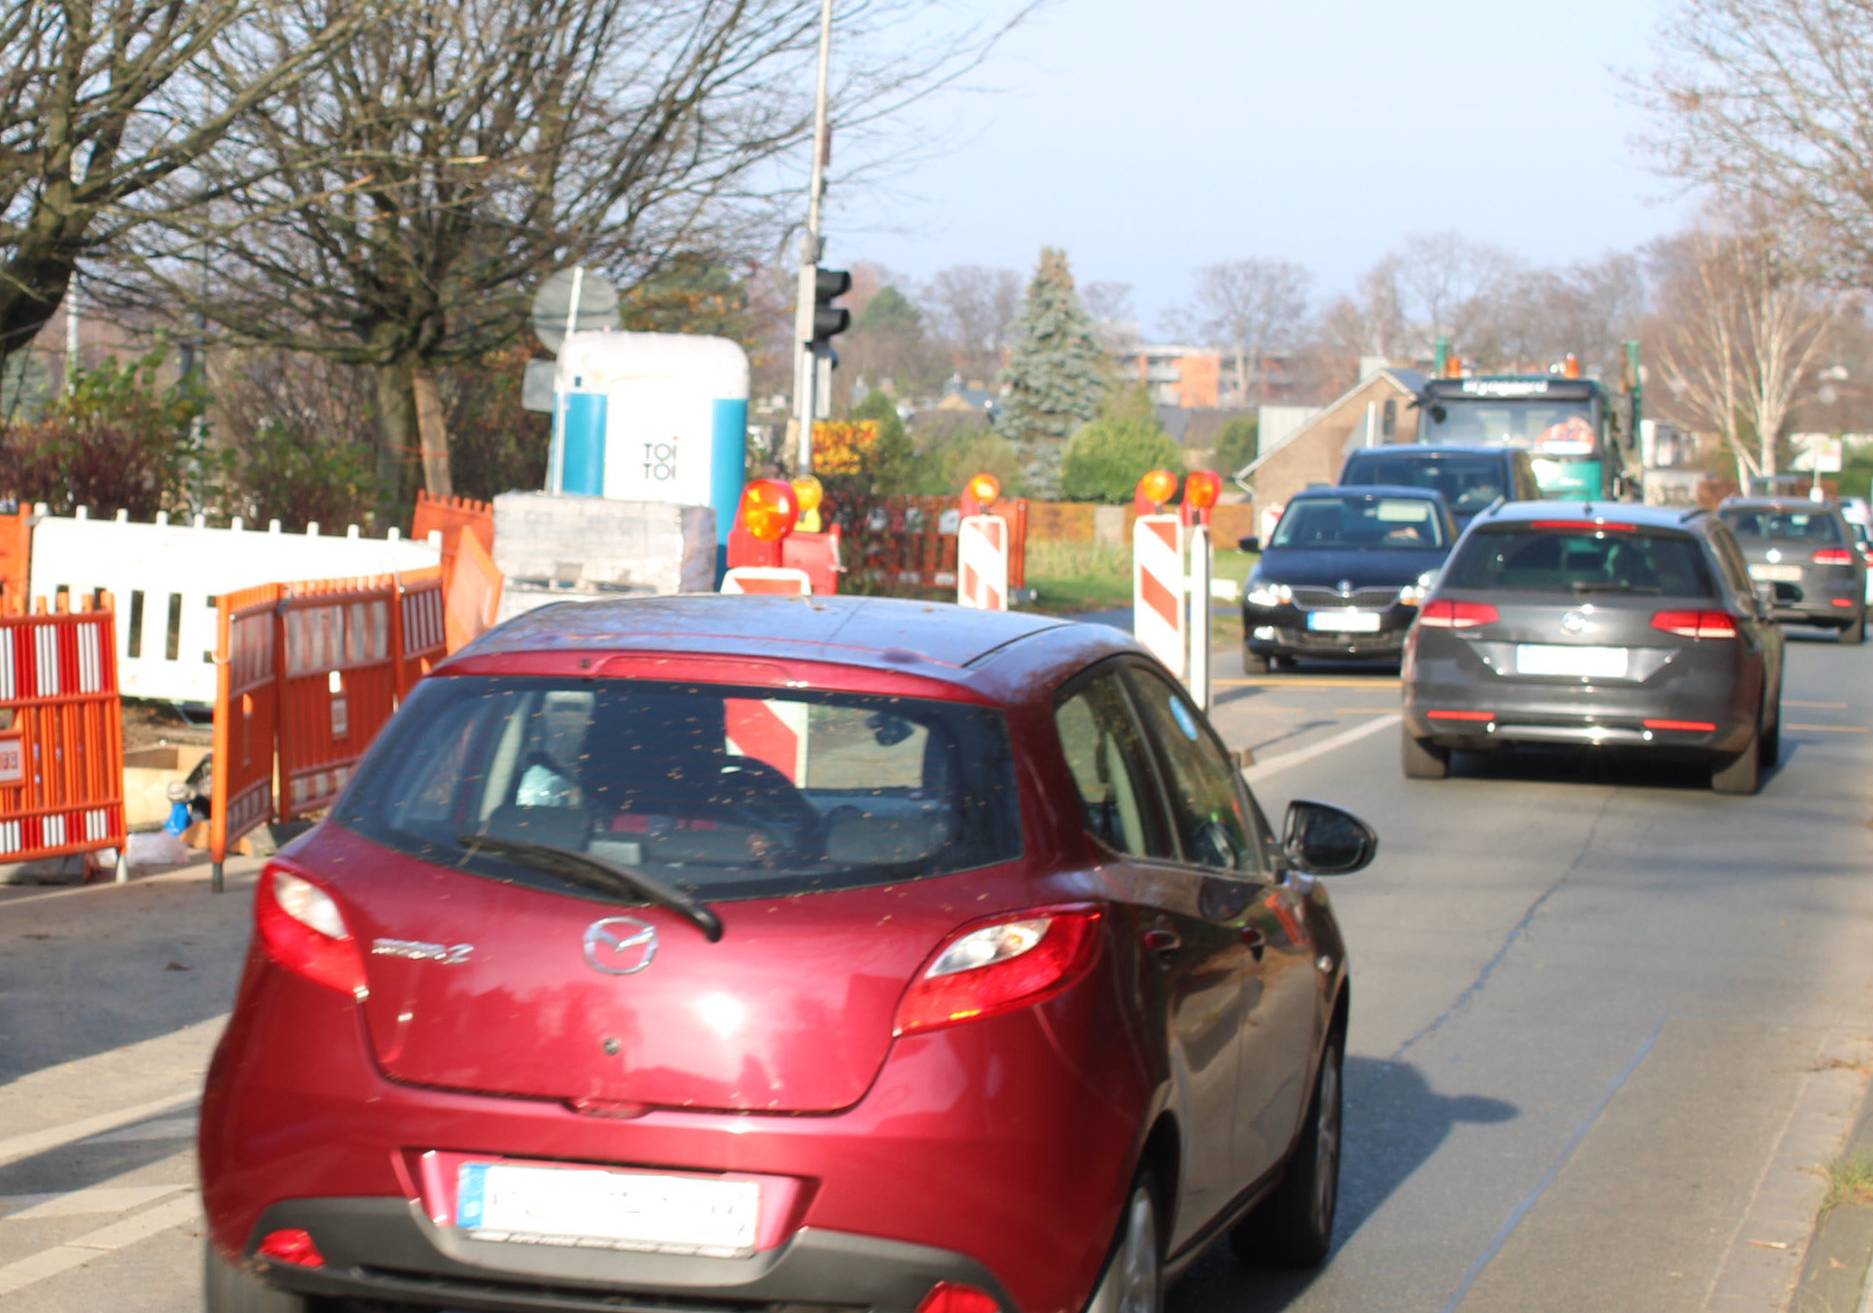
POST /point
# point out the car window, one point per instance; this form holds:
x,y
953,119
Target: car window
x,y
1111,770
1360,521
1730,559
1777,525
1535,558
726,792
1208,805
1468,483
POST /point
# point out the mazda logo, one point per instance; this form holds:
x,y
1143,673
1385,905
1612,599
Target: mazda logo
x,y
620,945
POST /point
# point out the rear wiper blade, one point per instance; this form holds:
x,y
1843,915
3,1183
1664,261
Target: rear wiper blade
x,y
1581,586
594,873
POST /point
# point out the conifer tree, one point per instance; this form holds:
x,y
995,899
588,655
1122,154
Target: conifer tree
x,y
1056,373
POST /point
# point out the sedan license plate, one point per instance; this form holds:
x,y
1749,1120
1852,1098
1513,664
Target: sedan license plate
x,y
1343,622
623,1210
1580,662
1776,574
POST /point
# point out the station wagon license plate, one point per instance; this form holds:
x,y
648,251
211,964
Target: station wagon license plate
x,y
1343,622
1578,662
607,1209
1776,574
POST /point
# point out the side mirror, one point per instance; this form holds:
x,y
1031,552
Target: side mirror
x,y
1765,598
1249,544
1322,839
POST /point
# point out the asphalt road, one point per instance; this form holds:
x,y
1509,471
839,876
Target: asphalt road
x,y
1606,1027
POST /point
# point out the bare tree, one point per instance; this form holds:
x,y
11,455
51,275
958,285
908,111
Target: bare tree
x,y
1449,281
456,152
1772,101
1371,321
973,309
1741,329
1110,305
1252,306
102,102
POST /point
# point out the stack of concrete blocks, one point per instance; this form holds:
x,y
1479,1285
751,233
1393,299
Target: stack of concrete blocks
x,y
560,549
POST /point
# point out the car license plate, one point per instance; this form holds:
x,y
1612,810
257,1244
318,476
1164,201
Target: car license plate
x,y
1776,574
1343,622
1581,662
624,1210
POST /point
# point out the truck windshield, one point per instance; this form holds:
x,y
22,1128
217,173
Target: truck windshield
x,y
1547,425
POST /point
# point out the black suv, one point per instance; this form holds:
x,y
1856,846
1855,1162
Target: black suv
x,y
1471,478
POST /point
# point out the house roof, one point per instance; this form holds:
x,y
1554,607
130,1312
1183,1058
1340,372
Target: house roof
x,y
1408,382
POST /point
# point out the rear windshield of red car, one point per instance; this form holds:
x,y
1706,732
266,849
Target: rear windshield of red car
x,y
1817,528
1533,558
721,791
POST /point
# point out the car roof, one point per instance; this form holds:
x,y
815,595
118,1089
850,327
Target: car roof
x,y
1617,512
1001,655
1418,450
1780,505
1338,490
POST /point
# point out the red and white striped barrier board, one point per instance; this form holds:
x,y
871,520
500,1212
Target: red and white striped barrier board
x,y
1158,589
767,580
982,562
773,732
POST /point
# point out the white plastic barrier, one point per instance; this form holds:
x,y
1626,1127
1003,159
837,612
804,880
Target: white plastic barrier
x,y
165,578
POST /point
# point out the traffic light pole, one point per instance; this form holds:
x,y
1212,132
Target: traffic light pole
x,y
806,364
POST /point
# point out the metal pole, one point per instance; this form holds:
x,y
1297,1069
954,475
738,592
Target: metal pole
x,y
71,335
1372,423
806,373
1198,583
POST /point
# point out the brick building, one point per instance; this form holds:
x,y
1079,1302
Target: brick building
x,y
1314,452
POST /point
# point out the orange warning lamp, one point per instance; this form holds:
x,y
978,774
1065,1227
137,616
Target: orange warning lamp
x,y
808,491
1453,367
769,509
1570,368
1202,488
985,488
1159,486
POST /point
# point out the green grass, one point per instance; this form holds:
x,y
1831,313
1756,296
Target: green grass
x,y
1849,1182
1070,577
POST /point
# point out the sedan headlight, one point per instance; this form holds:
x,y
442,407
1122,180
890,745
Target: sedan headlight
x,y
1413,594
1266,594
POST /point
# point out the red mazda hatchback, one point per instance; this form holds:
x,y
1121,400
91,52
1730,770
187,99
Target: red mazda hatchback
x,y
738,953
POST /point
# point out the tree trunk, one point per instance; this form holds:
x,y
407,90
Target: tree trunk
x,y
1242,375
433,431
33,282
396,433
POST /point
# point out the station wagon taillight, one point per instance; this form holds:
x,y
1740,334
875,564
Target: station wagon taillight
x,y
1011,962
1696,624
302,929
1832,556
1445,614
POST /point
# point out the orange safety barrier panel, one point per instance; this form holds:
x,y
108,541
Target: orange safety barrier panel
x,y
420,640
247,712
16,541
474,595
338,684
456,518
61,732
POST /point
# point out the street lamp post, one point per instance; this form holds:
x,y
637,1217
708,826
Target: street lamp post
x,y
806,375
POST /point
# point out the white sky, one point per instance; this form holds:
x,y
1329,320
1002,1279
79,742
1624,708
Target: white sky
x,y
1149,139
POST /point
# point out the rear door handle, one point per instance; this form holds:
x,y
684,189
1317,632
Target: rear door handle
x,y
1163,941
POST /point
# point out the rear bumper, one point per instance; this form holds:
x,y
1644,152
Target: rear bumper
x,y
386,1249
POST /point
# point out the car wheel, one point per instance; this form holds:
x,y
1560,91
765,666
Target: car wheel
x,y
230,1289
1855,633
1293,1227
1254,663
1741,774
1422,760
1134,1275
1772,734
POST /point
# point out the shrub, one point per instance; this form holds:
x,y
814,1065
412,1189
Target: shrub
x,y
1107,457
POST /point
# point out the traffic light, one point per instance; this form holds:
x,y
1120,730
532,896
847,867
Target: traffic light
x,y
829,319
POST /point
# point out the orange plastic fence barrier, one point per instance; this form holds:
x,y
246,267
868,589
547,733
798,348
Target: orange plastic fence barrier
x,y
474,595
61,744
338,684
455,518
911,541
247,712
421,639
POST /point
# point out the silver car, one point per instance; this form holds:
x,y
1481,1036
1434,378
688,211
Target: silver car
x,y
1807,551
1599,626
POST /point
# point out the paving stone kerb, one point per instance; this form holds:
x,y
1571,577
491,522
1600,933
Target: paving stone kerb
x,y
1837,1276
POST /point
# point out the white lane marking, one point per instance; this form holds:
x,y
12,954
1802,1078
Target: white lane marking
x,y
16,1147
76,1253
1261,770
166,1128
79,1203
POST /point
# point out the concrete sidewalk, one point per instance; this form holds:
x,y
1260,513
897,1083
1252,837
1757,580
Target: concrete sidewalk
x,y
1837,1276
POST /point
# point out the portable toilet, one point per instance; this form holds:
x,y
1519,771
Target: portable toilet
x,y
659,417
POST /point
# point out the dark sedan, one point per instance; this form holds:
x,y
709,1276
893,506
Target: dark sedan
x,y
1601,626
1807,551
1343,574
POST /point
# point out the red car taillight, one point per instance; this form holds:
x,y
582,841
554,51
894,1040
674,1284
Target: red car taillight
x,y
1696,624
1832,556
1011,962
1458,615
302,929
